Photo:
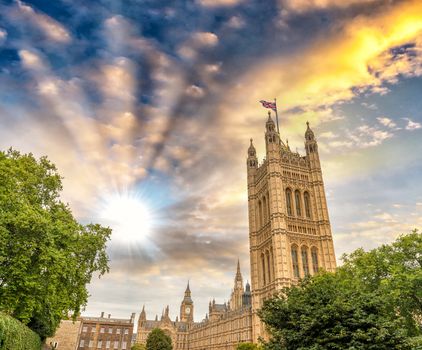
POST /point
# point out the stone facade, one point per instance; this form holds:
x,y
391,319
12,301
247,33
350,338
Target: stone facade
x,y
224,327
290,238
66,336
105,333
289,228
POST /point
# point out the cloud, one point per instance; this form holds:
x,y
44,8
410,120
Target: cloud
x,y
50,27
195,91
387,122
219,3
32,60
310,5
411,125
3,35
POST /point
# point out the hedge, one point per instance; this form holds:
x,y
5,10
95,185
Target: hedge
x,y
16,336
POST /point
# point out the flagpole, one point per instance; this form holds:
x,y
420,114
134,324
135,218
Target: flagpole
x,y
276,114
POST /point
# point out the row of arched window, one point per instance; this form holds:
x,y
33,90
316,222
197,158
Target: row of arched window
x,y
295,207
263,211
267,263
306,260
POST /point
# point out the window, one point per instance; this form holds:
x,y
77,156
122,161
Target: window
x,y
100,344
268,267
91,344
84,329
116,344
298,206
126,331
295,262
289,202
307,205
124,345
118,331
259,219
263,269
264,211
102,330
110,330
314,254
305,262
108,344
82,343
93,329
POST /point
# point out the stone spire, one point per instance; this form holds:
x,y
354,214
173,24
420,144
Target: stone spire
x,y
238,273
143,315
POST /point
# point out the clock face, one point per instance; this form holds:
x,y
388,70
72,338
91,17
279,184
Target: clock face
x,y
187,310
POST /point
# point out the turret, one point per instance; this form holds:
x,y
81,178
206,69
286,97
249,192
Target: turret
x,y
311,147
272,139
252,161
247,295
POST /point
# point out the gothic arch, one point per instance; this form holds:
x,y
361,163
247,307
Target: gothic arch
x,y
267,256
295,260
298,203
314,257
305,260
264,209
264,281
307,202
289,202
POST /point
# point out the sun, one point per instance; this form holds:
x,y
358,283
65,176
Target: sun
x,y
128,216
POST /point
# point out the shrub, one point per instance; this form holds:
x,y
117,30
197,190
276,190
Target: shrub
x,y
16,336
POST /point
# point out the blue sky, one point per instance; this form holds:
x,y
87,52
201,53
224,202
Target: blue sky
x,y
147,108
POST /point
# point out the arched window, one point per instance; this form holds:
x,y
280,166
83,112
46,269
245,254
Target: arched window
x,y
314,254
289,202
263,269
268,266
264,209
268,206
307,201
305,262
298,204
295,262
259,216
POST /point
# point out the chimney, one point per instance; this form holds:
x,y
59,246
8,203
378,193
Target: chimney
x,y
109,315
132,317
102,314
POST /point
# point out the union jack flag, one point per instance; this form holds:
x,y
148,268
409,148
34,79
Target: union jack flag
x,y
271,105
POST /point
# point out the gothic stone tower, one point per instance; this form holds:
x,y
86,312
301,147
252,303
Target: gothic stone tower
x,y
186,307
289,228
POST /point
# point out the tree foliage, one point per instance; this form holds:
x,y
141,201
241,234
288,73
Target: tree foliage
x,y
46,257
158,340
372,302
395,271
327,312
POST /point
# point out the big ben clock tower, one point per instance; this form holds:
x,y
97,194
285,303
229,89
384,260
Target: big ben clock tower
x,y
186,308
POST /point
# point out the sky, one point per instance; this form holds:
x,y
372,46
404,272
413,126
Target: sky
x,y
147,108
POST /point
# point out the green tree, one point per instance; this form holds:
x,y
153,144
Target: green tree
x,y
331,312
158,340
395,271
138,347
46,257
247,346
